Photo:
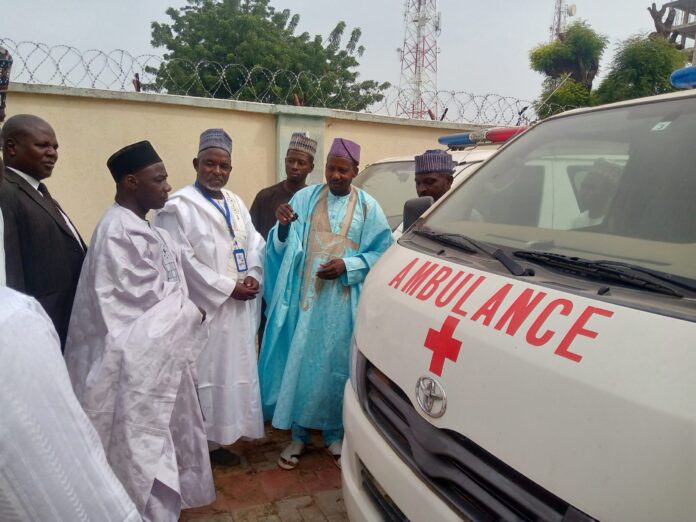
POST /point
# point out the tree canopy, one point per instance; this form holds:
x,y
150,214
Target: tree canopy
x,y
245,49
641,67
570,65
558,95
577,52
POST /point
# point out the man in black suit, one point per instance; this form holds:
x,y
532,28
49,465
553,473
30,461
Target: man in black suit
x,y
43,250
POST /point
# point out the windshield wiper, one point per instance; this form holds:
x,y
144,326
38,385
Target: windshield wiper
x,y
472,246
602,270
448,239
683,282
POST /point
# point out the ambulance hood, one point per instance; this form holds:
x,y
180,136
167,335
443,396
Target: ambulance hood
x,y
590,400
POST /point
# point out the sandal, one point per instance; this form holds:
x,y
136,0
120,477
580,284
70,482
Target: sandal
x,y
334,449
290,456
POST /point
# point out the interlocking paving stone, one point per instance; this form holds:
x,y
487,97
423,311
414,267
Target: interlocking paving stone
x,y
258,491
312,514
330,502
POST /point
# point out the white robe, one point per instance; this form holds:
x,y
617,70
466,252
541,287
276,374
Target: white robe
x,y
132,344
52,464
227,366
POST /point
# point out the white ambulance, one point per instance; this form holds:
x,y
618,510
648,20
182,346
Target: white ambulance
x,y
527,350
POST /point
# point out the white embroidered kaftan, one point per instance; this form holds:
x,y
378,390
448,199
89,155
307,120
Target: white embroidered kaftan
x,y
132,344
227,369
52,464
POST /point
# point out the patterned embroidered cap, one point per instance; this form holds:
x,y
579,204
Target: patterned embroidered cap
x,y
217,138
303,143
5,67
434,161
132,159
344,148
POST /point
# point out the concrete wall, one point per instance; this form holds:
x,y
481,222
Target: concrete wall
x,y
92,124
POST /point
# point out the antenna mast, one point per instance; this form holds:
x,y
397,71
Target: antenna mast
x,y
559,19
418,81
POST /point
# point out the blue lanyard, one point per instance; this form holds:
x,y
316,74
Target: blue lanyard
x,y
226,212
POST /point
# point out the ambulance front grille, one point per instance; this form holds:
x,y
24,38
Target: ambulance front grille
x,y
475,484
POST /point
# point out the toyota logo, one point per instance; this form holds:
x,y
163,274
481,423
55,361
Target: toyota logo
x,y
431,397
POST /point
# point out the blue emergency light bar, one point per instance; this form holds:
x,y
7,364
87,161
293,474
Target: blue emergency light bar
x,y
684,78
460,140
497,135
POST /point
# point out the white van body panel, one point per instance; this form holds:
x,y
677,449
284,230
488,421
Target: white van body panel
x,y
635,373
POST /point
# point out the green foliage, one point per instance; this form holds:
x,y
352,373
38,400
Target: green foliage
x,y
577,53
208,35
559,95
641,67
570,65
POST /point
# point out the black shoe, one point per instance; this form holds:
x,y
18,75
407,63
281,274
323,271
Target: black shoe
x,y
225,457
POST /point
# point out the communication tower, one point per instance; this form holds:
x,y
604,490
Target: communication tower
x,y
418,81
561,12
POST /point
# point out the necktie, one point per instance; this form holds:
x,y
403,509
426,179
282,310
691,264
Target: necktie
x,y
52,204
57,212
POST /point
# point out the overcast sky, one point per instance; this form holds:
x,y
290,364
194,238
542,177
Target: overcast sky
x,y
484,45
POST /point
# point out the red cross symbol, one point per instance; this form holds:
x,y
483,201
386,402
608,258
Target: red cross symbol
x,y
443,345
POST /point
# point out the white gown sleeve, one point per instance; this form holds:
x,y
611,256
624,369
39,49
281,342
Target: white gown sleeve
x,y
44,432
208,287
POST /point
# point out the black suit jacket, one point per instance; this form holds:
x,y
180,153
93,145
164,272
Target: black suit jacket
x,y
42,257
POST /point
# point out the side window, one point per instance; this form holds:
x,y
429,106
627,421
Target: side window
x,y
594,186
513,197
390,184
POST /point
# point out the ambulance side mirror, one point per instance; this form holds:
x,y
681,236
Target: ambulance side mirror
x,y
414,208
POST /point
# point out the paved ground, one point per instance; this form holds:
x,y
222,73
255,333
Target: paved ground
x,y
258,490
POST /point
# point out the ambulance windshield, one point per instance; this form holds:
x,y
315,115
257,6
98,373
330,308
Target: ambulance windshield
x,y
616,184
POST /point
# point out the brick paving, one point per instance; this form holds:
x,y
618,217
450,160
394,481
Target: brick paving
x,y
258,490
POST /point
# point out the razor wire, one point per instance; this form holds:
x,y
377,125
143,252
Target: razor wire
x,y
119,70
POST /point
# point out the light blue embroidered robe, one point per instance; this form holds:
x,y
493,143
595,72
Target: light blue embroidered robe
x,y
305,358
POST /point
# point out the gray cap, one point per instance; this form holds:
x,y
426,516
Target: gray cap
x,y
434,161
217,138
303,143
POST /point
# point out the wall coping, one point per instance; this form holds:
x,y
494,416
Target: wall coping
x,y
243,106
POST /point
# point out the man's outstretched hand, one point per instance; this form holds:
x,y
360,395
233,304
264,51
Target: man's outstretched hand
x,y
285,214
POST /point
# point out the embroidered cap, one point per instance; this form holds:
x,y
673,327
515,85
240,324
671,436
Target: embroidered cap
x,y
5,68
217,138
344,148
434,161
131,159
301,142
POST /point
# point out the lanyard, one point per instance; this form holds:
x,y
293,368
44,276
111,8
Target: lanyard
x,y
168,258
226,212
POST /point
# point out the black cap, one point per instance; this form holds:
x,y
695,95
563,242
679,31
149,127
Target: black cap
x,y
131,159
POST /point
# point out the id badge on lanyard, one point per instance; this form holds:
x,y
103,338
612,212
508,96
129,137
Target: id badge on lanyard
x,y
237,253
240,259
